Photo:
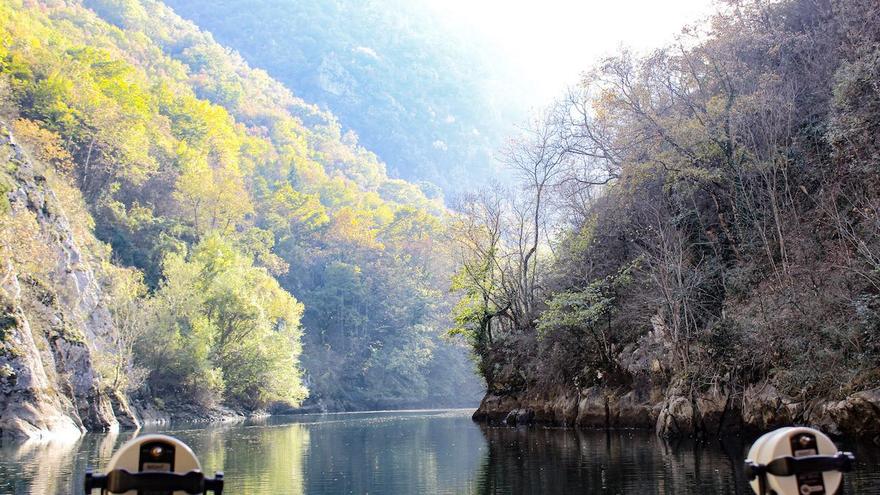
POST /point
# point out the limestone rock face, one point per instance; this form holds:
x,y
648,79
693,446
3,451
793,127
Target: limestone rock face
x,y
676,417
29,407
857,415
592,412
860,414
50,324
764,408
674,411
650,398
594,407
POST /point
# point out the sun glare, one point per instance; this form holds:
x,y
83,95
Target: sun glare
x,y
550,42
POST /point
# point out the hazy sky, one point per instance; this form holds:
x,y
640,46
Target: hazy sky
x,y
551,42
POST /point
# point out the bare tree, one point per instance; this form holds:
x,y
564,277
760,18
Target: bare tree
x,y
538,157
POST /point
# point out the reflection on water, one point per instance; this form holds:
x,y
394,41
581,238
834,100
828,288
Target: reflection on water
x,y
255,458
54,466
560,460
416,452
571,461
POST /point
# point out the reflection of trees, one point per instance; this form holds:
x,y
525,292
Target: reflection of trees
x,y
56,466
405,455
419,455
864,478
38,467
257,459
550,460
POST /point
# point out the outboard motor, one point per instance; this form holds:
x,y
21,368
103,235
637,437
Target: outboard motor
x,y
796,461
154,465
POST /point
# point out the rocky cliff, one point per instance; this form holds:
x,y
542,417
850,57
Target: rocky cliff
x,y
650,399
673,414
52,314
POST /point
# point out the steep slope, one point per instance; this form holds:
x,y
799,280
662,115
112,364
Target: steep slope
x,y
53,310
433,104
719,269
225,194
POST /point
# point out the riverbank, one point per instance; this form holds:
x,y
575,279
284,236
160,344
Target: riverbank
x,y
672,414
150,415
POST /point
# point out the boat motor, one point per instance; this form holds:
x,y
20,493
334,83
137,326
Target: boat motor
x,y
154,465
796,461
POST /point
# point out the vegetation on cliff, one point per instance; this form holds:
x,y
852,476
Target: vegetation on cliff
x,y
693,240
234,220
705,219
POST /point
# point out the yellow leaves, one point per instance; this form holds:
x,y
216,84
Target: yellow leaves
x,y
50,98
287,209
206,127
252,152
310,173
213,196
603,104
121,88
124,285
21,242
383,214
45,145
411,227
290,136
351,226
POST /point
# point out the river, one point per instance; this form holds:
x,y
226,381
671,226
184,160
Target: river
x,y
414,452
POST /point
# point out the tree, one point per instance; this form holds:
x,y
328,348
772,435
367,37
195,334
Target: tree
x,y
590,311
226,330
213,195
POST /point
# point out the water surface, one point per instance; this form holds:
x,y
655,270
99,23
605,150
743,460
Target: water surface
x,y
417,452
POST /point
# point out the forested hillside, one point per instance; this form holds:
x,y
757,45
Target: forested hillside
x,y
694,244
432,103
234,229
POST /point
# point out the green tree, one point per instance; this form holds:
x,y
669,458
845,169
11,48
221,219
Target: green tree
x,y
224,329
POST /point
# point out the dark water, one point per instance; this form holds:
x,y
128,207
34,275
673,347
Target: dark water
x,y
417,452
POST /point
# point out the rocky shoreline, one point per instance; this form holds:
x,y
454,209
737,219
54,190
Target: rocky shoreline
x,y
673,414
